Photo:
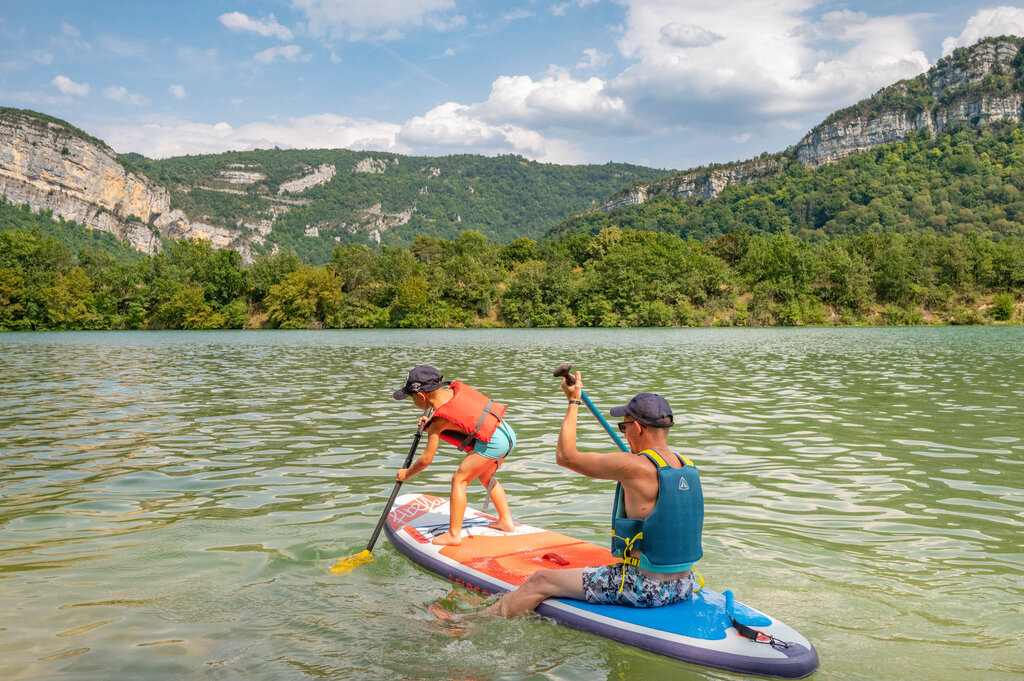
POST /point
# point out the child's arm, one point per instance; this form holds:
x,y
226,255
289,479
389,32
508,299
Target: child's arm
x,y
427,457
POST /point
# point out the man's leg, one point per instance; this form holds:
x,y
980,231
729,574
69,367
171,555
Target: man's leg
x,y
541,585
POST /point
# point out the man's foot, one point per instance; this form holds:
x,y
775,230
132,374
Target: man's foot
x,y
449,621
447,539
504,527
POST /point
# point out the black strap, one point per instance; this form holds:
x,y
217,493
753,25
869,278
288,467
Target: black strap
x,y
757,636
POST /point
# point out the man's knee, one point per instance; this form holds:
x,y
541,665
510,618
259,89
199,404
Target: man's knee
x,y
542,581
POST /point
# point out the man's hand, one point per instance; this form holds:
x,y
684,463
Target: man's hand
x,y
574,391
402,475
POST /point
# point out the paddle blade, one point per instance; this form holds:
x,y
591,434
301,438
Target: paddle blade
x,y
347,565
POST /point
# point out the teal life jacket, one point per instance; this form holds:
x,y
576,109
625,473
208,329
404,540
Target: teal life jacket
x,y
667,540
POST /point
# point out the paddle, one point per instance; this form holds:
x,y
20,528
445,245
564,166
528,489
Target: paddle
x,y
346,565
565,370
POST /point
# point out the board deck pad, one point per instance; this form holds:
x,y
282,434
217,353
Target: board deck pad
x,y
491,561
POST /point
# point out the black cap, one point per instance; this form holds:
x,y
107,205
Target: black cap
x,y
422,379
647,408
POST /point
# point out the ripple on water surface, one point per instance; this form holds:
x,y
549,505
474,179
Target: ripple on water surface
x,y
171,503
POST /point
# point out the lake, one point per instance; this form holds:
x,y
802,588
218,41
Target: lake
x,y
171,503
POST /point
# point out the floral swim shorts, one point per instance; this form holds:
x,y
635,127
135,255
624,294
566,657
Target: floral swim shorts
x,y
601,586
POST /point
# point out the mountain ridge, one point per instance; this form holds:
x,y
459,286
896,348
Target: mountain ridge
x,y
974,85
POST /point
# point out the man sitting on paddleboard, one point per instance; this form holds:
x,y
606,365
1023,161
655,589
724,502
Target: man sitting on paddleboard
x,y
658,514
474,423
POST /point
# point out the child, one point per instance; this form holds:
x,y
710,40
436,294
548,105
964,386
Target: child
x,y
473,423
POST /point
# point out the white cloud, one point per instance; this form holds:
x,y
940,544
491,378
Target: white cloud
x,y
236,21
687,35
175,137
987,23
554,101
594,58
36,57
381,19
289,52
118,93
453,127
71,38
70,87
741,138
723,64
177,91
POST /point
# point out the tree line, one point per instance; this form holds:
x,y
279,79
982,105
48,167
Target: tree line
x,y
614,278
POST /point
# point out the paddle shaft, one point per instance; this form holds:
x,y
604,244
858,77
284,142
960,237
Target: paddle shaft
x,y
398,485
571,380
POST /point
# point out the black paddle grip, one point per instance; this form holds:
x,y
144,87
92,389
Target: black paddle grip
x,y
565,370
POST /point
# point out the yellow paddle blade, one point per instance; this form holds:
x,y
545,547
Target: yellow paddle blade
x,y
347,565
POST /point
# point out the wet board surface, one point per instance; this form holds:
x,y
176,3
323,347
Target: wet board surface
x,y
490,561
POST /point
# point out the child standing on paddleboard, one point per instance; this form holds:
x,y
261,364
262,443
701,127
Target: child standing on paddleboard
x,y
472,422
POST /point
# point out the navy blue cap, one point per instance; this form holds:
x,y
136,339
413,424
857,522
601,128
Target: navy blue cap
x,y
649,409
422,379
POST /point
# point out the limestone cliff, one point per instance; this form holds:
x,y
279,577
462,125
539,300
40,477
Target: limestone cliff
x,y
973,86
50,165
963,88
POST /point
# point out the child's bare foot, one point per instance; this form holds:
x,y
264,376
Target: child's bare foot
x,y
447,539
504,527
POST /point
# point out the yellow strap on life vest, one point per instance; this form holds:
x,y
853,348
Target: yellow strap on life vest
x,y
661,460
626,559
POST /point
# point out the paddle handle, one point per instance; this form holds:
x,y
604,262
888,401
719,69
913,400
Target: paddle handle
x,y
398,485
565,370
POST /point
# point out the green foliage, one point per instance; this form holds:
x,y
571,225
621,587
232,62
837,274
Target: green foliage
x,y
617,277
965,182
1003,307
309,297
503,198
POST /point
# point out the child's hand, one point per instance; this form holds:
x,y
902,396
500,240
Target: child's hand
x,y
423,420
402,475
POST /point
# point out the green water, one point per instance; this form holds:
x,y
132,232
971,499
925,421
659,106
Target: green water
x,y
171,503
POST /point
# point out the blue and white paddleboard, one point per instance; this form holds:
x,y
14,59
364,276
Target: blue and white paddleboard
x,y
699,630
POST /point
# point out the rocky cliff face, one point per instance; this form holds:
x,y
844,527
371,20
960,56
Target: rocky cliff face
x,y
834,141
49,166
956,85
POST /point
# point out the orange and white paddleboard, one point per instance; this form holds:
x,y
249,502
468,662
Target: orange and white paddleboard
x,y
701,630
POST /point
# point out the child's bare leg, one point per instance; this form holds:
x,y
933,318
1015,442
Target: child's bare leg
x,y
473,466
457,509
504,521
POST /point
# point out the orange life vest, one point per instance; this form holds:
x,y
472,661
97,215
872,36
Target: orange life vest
x,y
472,412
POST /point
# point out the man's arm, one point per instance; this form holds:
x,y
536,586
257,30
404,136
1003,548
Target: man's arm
x,y
613,466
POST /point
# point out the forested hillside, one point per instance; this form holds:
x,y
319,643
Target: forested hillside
x,y
966,181
379,197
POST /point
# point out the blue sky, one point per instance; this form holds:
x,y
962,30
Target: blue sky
x,y
664,83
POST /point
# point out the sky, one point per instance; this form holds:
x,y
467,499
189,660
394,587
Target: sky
x,y
663,83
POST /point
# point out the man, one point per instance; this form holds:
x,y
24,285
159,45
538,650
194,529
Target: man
x,y
657,518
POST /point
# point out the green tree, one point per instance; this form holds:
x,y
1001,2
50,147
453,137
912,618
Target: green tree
x,y
308,298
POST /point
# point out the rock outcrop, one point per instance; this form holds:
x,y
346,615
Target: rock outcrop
x,y
320,175
956,87
963,89
50,165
